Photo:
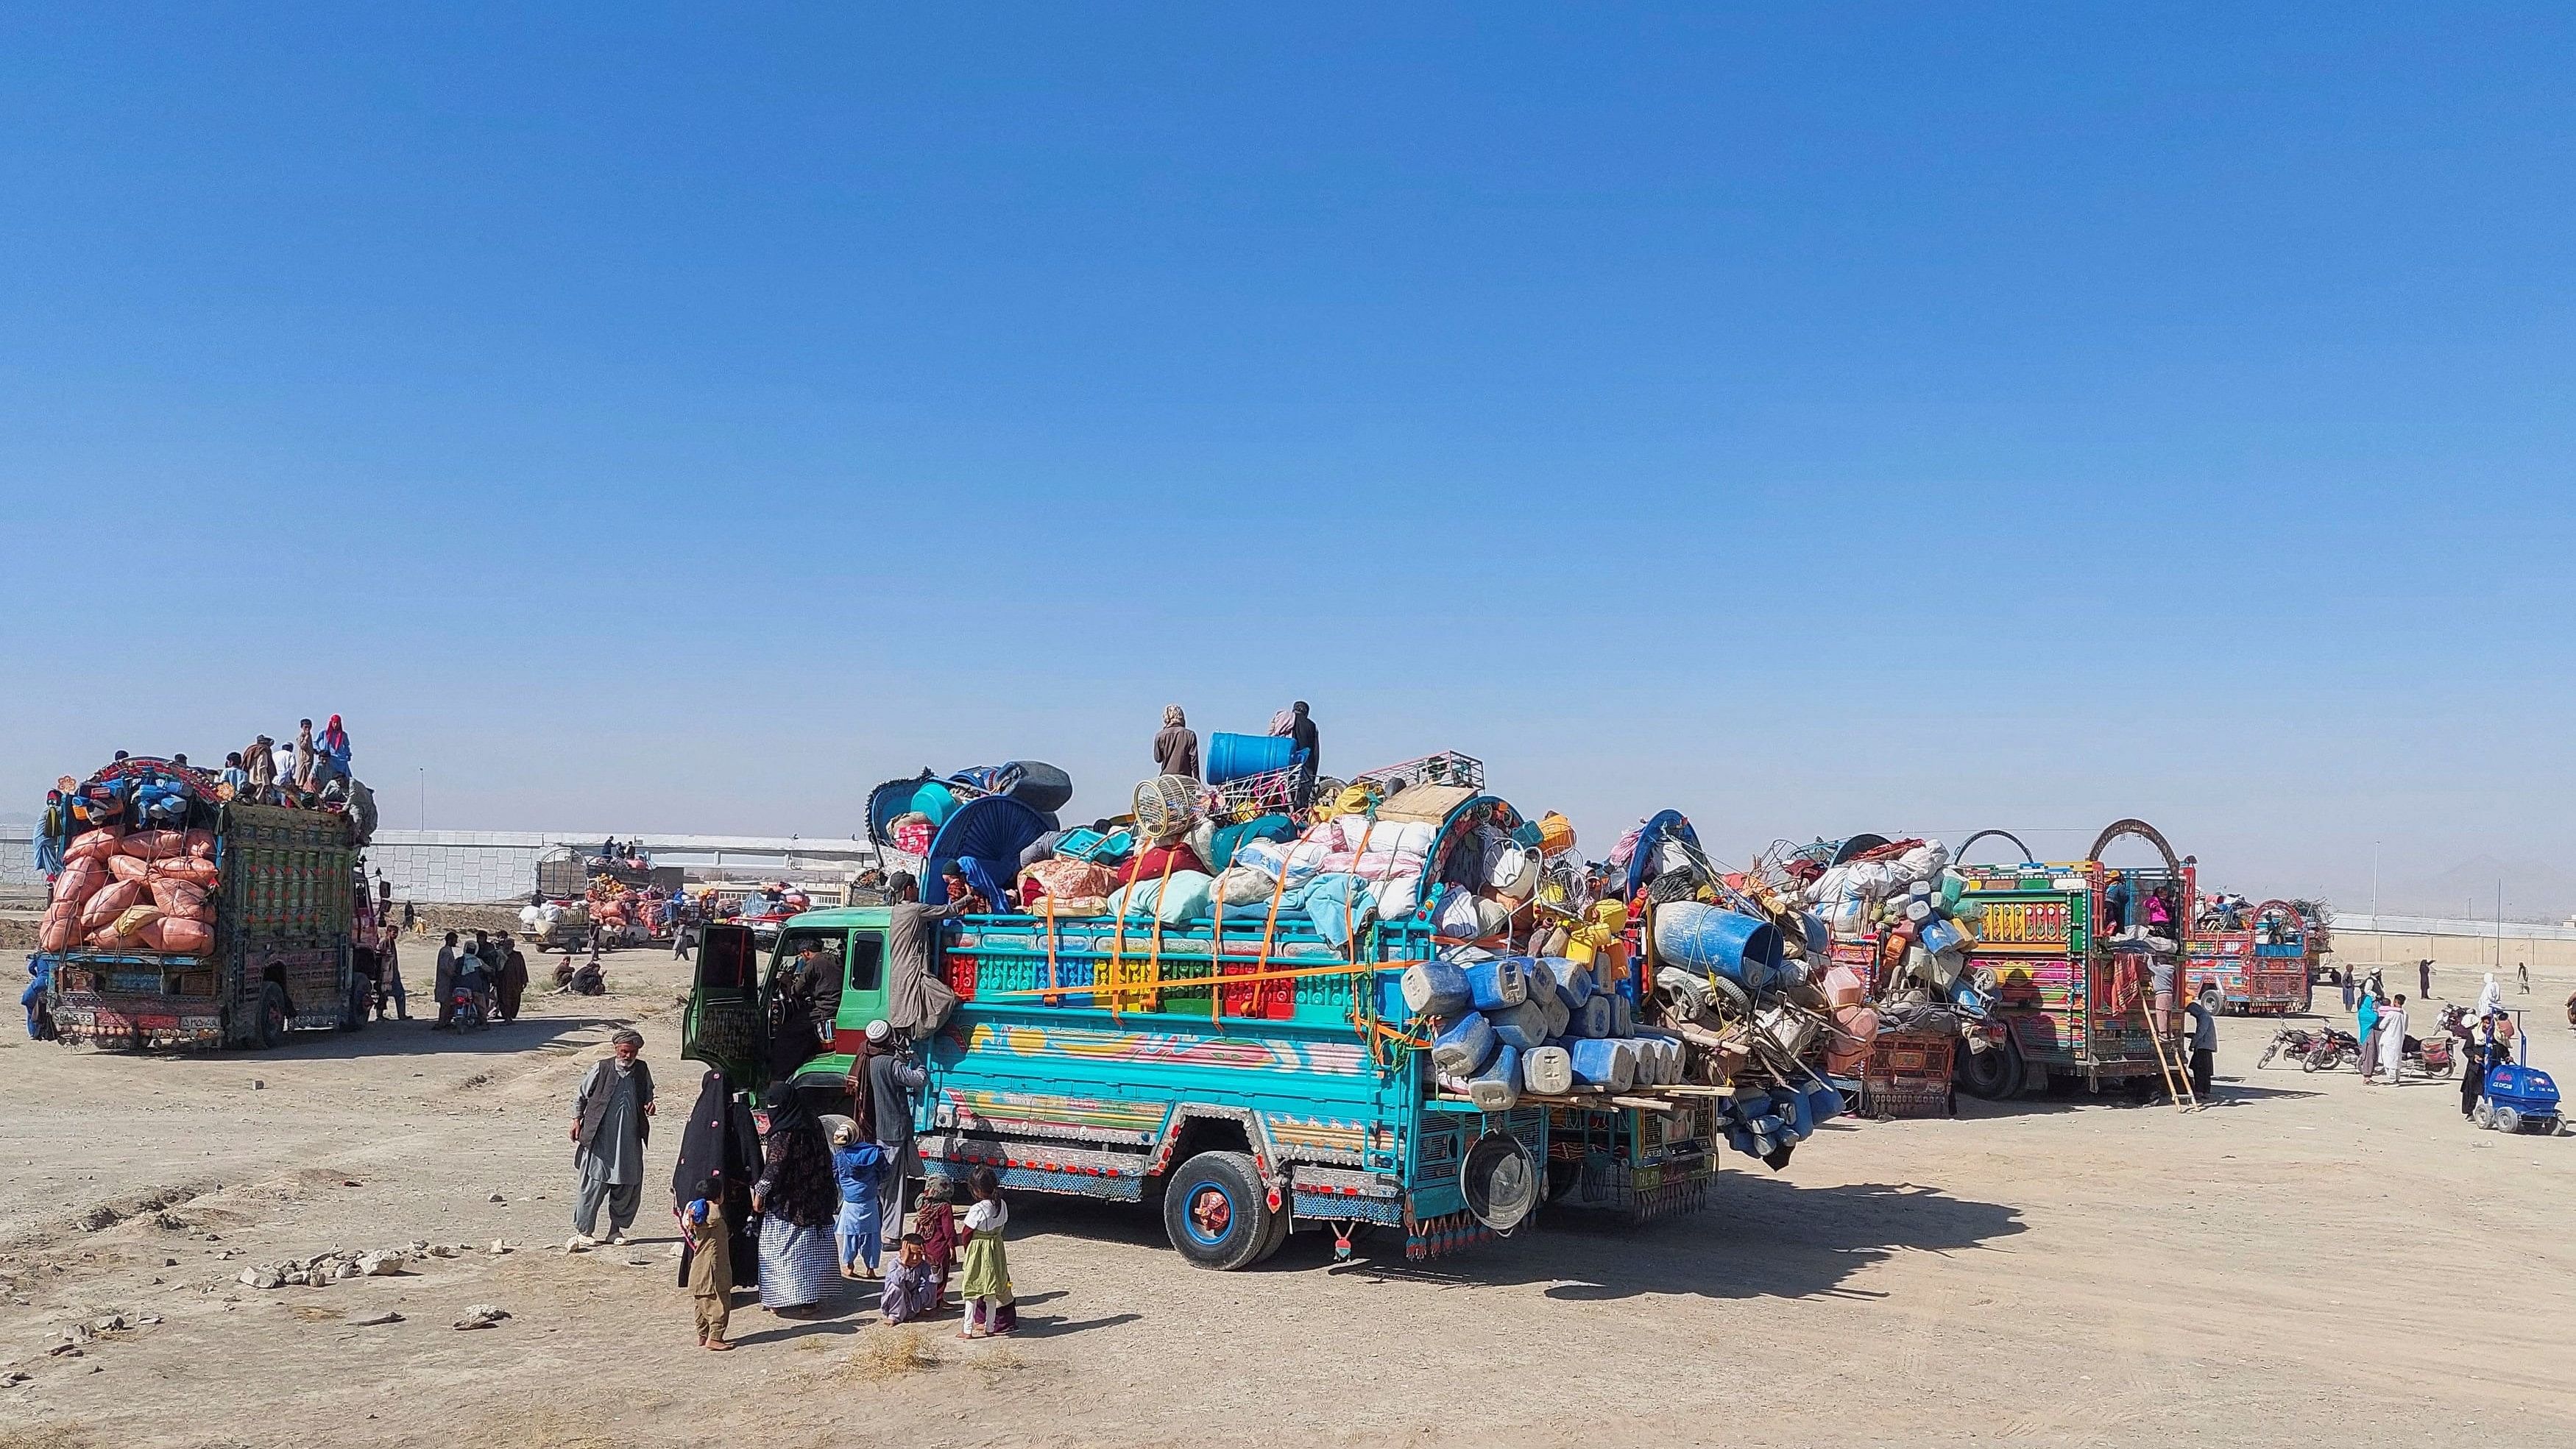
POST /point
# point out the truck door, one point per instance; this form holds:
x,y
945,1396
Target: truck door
x,y
727,1024
863,997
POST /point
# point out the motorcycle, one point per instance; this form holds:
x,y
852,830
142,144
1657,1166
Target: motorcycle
x,y
470,1002
2321,1050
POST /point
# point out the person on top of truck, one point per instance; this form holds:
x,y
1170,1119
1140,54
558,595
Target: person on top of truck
x,y
917,1002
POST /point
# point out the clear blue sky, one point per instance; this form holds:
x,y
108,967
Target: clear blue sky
x,y
1817,418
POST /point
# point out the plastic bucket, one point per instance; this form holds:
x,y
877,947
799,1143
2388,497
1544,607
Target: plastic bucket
x,y
1236,757
1700,937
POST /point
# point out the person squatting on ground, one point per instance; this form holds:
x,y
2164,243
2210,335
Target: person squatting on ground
x,y
609,1129
912,1290
702,1225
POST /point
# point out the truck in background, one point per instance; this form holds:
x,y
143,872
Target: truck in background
x,y
292,928
2074,1004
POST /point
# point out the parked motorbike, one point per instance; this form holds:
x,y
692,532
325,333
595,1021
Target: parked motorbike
x,y
2321,1050
471,1002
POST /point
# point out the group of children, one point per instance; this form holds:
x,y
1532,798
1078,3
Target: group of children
x,y
916,1285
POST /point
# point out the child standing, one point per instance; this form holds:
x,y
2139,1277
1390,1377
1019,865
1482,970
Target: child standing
x,y
858,1166
710,1264
911,1289
987,1284
935,1223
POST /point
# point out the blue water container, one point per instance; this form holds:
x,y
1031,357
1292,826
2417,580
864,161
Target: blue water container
x,y
1498,1087
1573,983
1520,1027
1437,987
1237,757
1498,983
1463,1048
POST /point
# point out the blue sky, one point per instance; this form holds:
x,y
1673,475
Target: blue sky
x,y
1816,418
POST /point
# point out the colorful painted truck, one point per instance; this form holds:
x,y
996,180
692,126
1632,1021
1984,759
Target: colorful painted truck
x,y
2262,967
2074,1008
291,921
1244,1073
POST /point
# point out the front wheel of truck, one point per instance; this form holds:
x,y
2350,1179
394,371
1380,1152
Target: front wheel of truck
x,y
1214,1211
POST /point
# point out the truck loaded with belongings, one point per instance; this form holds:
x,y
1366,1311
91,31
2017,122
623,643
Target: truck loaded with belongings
x,y
183,917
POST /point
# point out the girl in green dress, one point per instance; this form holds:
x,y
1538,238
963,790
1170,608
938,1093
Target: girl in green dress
x,y
986,1286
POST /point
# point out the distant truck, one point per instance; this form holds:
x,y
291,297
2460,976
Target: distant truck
x,y
2260,965
293,929
2073,1008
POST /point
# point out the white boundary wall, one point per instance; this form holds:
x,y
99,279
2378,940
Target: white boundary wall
x,y
476,866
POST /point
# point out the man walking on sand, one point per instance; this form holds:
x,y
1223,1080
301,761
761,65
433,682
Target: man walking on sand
x,y
609,1129
445,984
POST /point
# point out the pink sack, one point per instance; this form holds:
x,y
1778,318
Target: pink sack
x,y
109,903
60,930
183,938
90,845
183,899
155,844
127,867
78,882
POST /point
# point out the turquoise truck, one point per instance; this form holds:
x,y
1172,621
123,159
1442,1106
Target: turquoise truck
x,y
1243,1073
1246,1110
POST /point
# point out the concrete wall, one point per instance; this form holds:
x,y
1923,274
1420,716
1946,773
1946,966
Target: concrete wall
x,y
458,867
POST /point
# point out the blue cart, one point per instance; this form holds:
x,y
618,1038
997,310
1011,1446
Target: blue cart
x,y
2520,1098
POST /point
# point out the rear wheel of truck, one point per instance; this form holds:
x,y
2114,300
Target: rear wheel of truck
x,y
1214,1212
272,1016
353,1012
1282,1223
1992,1074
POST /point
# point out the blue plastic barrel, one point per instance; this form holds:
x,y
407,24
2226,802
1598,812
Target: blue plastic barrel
x,y
1521,1027
1463,1049
1236,757
1697,937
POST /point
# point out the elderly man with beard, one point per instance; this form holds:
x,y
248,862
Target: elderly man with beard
x,y
609,1127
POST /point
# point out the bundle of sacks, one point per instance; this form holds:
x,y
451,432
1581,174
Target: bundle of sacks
x,y
1504,1025
148,890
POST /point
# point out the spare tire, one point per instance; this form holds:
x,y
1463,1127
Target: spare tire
x,y
1500,1180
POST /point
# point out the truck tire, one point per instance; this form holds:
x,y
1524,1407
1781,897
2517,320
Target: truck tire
x,y
1214,1213
272,1016
353,1012
1993,1074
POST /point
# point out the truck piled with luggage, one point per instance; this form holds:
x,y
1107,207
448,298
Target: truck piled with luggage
x,y
183,914
1408,1009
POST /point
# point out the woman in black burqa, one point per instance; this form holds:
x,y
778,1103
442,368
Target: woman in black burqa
x,y
722,1142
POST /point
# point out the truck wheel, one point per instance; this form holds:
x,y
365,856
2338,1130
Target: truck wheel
x,y
272,1016
1213,1211
353,1012
1992,1074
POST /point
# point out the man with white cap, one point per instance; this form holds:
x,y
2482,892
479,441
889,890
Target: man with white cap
x,y
892,1077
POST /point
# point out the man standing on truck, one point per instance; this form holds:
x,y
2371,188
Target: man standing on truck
x,y
609,1129
1301,734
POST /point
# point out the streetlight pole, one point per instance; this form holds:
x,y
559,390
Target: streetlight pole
x,y
424,799
2374,879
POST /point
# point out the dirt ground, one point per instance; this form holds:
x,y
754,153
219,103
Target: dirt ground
x,y
2307,1260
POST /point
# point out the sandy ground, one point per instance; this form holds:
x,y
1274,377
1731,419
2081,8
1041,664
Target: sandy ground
x,y
2308,1260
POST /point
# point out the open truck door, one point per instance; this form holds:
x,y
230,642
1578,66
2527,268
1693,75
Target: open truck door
x,y
728,1022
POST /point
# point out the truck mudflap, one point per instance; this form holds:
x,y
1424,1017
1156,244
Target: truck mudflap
x,y
140,1021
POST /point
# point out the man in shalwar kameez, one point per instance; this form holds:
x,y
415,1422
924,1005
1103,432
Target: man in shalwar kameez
x,y
608,1131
